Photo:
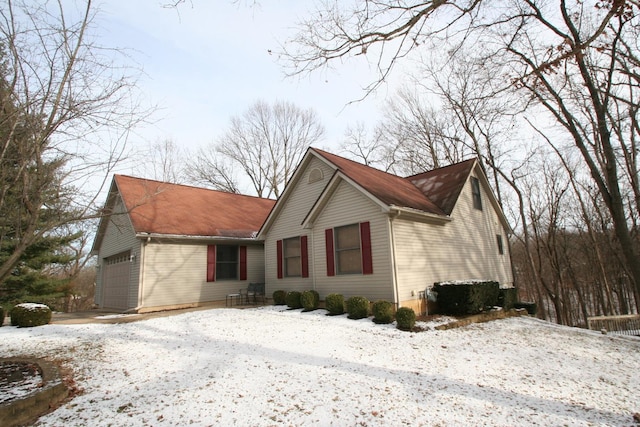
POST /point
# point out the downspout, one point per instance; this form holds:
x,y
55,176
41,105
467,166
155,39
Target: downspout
x,y
396,291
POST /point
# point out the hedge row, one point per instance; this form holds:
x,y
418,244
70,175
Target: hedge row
x,y
356,307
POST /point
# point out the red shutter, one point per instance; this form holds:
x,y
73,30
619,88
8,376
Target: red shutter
x,y
211,263
304,256
279,255
328,237
365,240
243,263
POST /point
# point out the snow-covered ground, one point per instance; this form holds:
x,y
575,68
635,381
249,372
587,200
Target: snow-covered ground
x,y
269,366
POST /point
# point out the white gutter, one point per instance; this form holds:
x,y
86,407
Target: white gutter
x,y
396,292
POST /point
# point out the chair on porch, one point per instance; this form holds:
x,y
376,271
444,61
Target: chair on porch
x,y
252,293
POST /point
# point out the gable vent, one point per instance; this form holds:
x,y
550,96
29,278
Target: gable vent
x,y
315,175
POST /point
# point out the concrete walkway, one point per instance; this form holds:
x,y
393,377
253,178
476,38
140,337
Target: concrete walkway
x,y
107,316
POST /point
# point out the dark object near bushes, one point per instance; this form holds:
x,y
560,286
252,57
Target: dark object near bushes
x,y
531,307
293,299
405,318
382,312
334,303
507,297
279,297
466,298
309,300
357,307
1,316
27,315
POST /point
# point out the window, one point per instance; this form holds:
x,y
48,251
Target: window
x,y
500,246
475,191
348,249
226,262
292,257
349,260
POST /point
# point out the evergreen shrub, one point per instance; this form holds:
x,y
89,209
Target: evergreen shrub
x,y
28,314
382,312
293,299
357,307
460,298
334,303
507,298
309,300
405,318
279,297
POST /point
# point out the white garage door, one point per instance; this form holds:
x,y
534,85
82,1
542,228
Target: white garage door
x,y
115,282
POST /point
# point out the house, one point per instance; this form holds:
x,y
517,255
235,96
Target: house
x,y
343,227
163,245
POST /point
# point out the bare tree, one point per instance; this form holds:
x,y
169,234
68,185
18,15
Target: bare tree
x,y
208,169
66,113
266,143
163,160
371,149
575,63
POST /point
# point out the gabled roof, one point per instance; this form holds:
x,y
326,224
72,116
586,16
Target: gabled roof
x,y
432,194
390,189
162,208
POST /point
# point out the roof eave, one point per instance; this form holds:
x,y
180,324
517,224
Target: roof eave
x,y
418,215
196,237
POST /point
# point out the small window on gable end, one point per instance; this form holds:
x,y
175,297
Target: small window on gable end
x,y
475,191
500,245
315,175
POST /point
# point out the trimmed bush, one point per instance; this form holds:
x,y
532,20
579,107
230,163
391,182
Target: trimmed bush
x,y
334,303
357,307
460,298
28,314
293,299
1,316
382,312
507,298
405,318
279,297
309,300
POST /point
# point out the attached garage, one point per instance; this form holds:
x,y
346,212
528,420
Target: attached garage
x,y
116,281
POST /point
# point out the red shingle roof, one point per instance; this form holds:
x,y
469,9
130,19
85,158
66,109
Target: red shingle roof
x,y
432,192
163,208
444,185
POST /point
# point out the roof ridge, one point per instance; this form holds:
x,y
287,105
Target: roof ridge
x,y
190,186
441,167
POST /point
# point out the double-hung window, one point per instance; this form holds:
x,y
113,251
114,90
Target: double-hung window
x,y
292,257
348,249
348,254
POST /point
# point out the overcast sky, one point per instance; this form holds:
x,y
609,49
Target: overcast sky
x,y
207,61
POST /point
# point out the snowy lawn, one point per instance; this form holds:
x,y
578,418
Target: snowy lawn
x,y
269,366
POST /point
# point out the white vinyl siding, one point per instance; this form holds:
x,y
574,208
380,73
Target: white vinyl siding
x,y
119,237
288,224
176,274
349,206
464,248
